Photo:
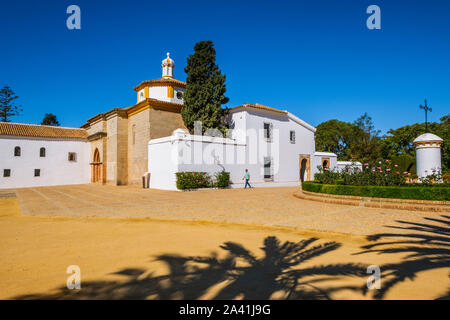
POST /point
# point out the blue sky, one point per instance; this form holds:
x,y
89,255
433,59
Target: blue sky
x,y
316,59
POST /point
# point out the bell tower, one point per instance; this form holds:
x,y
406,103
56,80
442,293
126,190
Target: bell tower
x,y
167,67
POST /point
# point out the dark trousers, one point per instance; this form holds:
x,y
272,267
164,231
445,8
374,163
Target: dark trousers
x,y
247,184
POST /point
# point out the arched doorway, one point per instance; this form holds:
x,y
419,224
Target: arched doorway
x,y
325,164
304,165
303,170
96,166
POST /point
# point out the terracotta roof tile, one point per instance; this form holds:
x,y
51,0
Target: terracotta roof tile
x,y
34,130
161,82
260,106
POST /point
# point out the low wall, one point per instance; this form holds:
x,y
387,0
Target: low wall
x,y
387,203
184,152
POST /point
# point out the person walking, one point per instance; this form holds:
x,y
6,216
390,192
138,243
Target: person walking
x,y
247,178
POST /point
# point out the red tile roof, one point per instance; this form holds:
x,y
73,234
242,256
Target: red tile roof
x,y
34,130
260,106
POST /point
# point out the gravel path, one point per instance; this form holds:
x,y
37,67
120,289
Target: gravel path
x,y
262,206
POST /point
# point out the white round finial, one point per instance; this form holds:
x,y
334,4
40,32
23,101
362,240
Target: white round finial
x,y
168,65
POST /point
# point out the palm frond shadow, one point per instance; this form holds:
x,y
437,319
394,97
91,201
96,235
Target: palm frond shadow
x,y
425,247
239,274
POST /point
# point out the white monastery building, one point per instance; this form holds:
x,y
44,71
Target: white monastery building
x,y
149,140
34,155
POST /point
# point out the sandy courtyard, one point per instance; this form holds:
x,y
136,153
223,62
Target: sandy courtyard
x,y
226,244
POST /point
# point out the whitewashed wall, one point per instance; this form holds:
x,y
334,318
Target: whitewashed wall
x,y
318,160
160,93
428,158
341,165
245,150
55,167
186,152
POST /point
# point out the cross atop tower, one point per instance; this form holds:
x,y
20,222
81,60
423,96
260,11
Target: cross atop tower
x,y
426,108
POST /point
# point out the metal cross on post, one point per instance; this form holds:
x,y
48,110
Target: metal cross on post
x,y
426,108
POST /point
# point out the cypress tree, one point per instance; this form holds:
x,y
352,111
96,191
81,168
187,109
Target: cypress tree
x,y
205,89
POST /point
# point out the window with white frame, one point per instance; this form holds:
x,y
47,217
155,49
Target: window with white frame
x,y
268,129
268,168
6,173
292,136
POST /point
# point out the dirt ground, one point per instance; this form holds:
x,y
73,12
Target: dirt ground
x,y
144,258
275,207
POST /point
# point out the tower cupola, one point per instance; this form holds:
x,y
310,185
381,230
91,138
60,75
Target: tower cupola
x,y
167,67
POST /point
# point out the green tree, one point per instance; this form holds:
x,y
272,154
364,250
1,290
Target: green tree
x,y
443,131
8,108
50,120
205,89
334,136
400,141
366,144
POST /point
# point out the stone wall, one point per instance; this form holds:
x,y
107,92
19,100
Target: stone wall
x,y
138,137
164,123
117,157
99,143
124,149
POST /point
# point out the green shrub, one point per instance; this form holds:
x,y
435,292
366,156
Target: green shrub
x,y
379,173
193,180
326,176
416,192
222,179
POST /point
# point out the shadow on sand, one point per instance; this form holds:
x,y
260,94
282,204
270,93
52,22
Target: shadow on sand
x,y
239,274
426,246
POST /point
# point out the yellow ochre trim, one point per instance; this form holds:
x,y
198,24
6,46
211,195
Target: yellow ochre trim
x,y
169,92
427,142
146,92
139,110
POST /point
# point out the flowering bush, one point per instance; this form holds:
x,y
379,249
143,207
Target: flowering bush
x,y
326,176
380,173
446,177
434,177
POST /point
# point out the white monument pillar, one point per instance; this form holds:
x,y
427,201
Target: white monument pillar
x,y
428,154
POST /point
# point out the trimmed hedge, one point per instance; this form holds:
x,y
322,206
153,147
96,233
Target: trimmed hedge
x,y
193,180
396,192
197,180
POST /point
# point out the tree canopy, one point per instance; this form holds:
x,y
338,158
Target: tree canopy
x,y
205,89
50,120
8,107
360,141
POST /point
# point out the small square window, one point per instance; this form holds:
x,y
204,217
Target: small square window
x,y
6,173
72,156
37,172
